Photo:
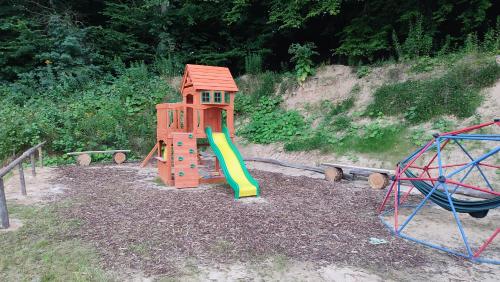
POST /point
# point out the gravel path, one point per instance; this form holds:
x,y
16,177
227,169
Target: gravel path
x,y
140,225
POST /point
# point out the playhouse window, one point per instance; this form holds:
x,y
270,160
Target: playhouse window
x,y
205,97
217,97
227,98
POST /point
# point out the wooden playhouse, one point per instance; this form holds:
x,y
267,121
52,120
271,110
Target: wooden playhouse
x,y
204,118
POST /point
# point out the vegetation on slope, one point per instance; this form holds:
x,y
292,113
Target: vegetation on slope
x,y
455,93
340,129
109,113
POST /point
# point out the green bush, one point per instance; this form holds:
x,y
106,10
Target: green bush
x,y
455,93
254,88
101,115
419,41
330,111
269,123
337,132
362,71
302,57
253,63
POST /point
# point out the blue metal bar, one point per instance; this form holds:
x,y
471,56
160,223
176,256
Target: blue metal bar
x,y
480,159
472,135
422,203
459,224
387,224
440,164
435,246
461,180
431,245
471,138
485,260
477,166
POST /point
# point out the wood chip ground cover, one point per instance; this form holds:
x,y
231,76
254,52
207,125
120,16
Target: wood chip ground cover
x,y
136,224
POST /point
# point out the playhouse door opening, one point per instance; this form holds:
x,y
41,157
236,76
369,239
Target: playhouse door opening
x,y
213,119
189,119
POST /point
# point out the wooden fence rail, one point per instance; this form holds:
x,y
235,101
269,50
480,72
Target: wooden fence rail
x,y
30,153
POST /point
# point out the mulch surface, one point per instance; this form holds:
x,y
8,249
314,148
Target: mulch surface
x,y
139,225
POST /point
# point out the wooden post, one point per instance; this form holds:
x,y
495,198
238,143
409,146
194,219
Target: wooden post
x,y
21,179
84,159
33,164
4,214
333,174
119,157
40,156
378,180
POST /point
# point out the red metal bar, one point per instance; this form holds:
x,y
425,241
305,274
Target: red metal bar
x,y
490,165
435,155
418,178
381,207
399,172
424,149
473,187
387,195
446,166
428,174
407,194
417,167
467,129
396,207
486,243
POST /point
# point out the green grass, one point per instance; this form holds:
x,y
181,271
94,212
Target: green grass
x,y
371,138
40,250
158,181
455,93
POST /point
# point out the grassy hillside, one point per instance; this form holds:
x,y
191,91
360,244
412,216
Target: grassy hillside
x,y
118,111
400,114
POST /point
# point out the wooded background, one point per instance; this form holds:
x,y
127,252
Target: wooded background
x,y
96,33
85,75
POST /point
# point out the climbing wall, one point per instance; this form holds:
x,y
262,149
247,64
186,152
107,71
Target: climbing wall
x,y
185,160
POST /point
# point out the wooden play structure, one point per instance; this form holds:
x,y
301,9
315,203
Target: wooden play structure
x,y
204,118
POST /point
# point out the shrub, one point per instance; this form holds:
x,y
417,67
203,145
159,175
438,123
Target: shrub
x,y
252,89
169,66
253,63
332,110
362,71
344,136
302,57
100,115
270,124
418,42
455,93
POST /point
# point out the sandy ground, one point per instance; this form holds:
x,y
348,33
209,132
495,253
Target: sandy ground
x,y
432,218
39,189
275,263
434,266
491,104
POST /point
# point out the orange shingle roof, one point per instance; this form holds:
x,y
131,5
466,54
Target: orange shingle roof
x,y
209,78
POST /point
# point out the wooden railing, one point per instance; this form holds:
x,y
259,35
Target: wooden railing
x,y
30,153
